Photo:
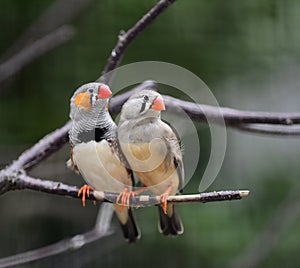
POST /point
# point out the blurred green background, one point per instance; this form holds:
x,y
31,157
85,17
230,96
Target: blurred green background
x,y
247,52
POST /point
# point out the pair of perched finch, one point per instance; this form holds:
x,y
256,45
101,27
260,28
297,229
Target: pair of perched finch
x,y
108,156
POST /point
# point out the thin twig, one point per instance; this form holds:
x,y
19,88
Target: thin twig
x,y
64,11
69,244
61,246
281,124
125,38
231,116
21,181
276,130
256,122
150,200
277,124
34,50
42,149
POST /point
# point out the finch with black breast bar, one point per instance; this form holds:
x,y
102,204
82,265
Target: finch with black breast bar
x,y
95,152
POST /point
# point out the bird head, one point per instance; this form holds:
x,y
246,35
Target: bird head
x,y
88,99
145,103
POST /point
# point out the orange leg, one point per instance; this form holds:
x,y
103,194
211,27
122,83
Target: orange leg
x,y
164,197
125,195
143,189
84,191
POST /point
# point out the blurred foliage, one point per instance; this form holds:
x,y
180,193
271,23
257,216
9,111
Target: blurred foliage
x,y
238,48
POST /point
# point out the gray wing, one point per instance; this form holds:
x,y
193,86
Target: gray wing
x,y
173,141
180,171
114,143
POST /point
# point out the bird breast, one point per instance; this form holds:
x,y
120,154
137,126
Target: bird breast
x,y
100,166
152,164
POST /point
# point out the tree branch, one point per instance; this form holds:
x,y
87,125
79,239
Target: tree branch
x,y
125,38
68,244
38,152
276,130
101,230
64,11
20,181
281,124
231,116
34,50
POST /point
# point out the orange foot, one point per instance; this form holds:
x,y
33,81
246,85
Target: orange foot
x,y
125,195
163,198
84,191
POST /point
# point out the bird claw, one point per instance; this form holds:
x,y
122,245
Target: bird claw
x,y
124,196
84,191
164,197
163,200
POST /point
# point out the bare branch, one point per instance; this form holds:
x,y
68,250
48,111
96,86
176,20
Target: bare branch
x,y
35,50
125,38
20,181
149,200
231,116
69,244
41,150
281,124
64,11
277,130
59,247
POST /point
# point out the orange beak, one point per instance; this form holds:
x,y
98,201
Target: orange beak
x,y
158,104
104,92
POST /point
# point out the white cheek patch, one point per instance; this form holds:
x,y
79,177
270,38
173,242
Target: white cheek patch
x,y
94,99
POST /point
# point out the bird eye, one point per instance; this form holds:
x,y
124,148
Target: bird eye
x,y
90,90
146,98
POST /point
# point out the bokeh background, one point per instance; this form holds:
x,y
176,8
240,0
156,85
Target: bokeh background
x,y
247,52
